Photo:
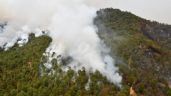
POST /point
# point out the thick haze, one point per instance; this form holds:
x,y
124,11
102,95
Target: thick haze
x,y
158,10
70,25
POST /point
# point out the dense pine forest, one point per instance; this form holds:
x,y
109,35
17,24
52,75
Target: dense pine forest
x,y
142,49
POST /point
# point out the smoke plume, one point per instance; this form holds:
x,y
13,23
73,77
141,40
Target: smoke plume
x,y
69,24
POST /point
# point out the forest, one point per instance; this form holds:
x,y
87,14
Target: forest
x,y
142,49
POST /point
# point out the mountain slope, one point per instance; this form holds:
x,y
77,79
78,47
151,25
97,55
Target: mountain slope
x,y
142,50
144,47
23,73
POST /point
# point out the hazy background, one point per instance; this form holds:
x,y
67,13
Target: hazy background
x,y
159,10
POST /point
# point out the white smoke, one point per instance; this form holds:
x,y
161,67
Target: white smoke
x,y
70,24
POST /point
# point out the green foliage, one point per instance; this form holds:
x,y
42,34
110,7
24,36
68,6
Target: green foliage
x,y
19,66
169,92
145,61
21,75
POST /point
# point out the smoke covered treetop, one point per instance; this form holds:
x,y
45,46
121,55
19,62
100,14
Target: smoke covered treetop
x,y
143,59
